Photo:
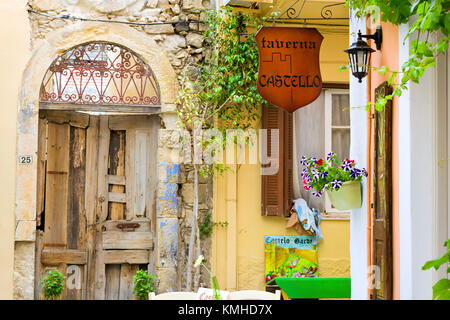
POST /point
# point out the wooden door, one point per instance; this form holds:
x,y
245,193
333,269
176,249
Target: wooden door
x,y
95,201
126,202
382,208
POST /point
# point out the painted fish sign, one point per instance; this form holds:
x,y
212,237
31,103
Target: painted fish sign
x,y
289,71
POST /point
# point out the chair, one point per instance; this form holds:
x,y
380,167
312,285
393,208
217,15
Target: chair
x,y
173,296
255,295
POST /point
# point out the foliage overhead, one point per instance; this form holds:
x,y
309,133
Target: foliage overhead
x,y
226,86
429,18
230,73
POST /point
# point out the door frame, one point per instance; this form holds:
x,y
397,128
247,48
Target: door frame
x,y
27,124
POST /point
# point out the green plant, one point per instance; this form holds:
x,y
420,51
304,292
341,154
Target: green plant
x,y
441,289
223,87
53,284
430,18
329,174
229,74
215,284
143,284
207,225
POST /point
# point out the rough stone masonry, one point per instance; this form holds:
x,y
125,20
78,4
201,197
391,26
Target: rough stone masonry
x,y
184,47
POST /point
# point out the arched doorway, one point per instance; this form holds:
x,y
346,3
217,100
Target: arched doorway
x,y
96,170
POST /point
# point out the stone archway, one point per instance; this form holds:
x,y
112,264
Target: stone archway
x,y
27,144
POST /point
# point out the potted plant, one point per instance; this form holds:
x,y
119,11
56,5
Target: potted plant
x,y
340,179
53,284
143,284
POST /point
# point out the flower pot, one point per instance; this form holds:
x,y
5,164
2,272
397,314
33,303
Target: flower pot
x,y
347,197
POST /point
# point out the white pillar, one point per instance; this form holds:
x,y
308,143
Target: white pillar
x,y
358,152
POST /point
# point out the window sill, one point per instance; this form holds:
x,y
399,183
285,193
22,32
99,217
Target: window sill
x,y
335,215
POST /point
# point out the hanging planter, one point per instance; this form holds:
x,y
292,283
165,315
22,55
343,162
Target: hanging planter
x,y
340,179
348,197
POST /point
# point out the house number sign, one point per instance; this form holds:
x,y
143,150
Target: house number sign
x,y
25,159
289,71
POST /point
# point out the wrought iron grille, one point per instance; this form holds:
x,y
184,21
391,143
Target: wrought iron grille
x,y
100,73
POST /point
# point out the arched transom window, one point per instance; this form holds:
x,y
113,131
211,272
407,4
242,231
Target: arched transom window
x,y
100,73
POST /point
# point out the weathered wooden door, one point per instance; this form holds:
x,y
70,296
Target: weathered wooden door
x,y
382,197
95,201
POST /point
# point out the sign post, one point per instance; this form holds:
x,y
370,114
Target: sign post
x,y
289,70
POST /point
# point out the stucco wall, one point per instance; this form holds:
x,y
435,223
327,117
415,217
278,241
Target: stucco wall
x,y
13,57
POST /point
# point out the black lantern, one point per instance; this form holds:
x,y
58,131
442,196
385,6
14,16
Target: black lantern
x,y
359,53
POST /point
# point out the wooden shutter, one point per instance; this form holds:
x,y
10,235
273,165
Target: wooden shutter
x,y
288,161
276,197
382,207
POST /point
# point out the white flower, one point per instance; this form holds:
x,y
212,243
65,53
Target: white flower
x,y
199,261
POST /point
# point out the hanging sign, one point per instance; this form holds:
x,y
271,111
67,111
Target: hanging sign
x,y
290,256
289,71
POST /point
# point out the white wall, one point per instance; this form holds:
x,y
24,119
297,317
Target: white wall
x,y
358,152
417,179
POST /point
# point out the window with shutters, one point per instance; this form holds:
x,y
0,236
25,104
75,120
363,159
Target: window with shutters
x,y
314,130
277,188
337,133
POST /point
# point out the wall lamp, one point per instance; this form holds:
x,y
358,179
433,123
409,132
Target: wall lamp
x,y
359,53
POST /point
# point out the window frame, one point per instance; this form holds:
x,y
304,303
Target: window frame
x,y
328,211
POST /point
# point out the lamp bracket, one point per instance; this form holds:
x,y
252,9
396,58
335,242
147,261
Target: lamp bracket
x,y
377,37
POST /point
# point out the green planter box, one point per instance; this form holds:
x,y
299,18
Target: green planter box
x,y
348,197
314,288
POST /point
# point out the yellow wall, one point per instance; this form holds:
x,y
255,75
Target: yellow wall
x,y
14,53
238,249
238,253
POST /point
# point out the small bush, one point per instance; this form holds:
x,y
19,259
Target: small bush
x,y
143,284
53,284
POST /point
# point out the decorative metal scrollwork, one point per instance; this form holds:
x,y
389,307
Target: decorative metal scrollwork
x,y
100,73
326,12
294,11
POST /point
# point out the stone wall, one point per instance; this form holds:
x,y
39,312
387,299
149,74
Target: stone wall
x,y
205,198
184,47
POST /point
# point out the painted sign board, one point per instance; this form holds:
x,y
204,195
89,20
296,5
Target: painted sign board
x,y
289,70
290,256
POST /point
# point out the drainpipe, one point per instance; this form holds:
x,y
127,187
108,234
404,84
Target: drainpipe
x,y
370,174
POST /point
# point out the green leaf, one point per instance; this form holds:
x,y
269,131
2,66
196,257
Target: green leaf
x,y
441,290
383,70
437,262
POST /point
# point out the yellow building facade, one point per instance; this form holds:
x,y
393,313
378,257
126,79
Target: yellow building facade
x,y
238,249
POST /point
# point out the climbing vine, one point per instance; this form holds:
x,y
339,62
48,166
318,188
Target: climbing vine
x,y
206,227
221,87
229,74
431,17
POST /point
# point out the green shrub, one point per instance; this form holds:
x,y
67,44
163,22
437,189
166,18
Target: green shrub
x,y
53,284
143,284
